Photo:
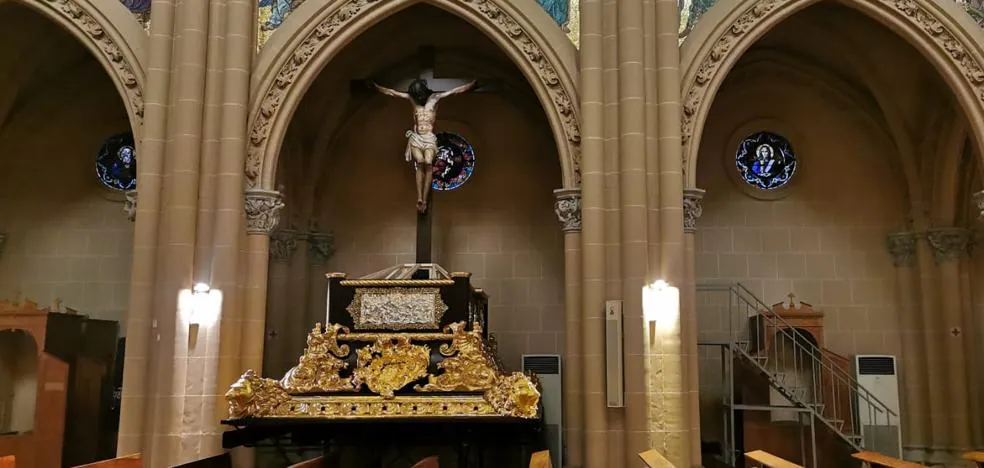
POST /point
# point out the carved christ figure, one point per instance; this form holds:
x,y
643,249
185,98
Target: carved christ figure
x,y
421,141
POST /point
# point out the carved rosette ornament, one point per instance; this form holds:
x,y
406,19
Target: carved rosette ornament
x,y
130,205
77,14
693,207
948,244
343,16
902,246
697,92
263,211
568,209
979,203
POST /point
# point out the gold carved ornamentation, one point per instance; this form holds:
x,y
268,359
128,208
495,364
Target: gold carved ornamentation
x,y
253,395
78,15
397,308
319,369
384,283
342,17
467,367
949,45
514,394
389,365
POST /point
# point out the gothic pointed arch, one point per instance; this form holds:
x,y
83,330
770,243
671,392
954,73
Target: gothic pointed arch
x,y
113,36
940,31
317,31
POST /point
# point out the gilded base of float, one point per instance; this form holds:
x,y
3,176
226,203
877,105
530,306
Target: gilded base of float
x,y
391,366
373,407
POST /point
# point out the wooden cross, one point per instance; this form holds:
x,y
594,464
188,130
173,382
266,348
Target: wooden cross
x,y
426,60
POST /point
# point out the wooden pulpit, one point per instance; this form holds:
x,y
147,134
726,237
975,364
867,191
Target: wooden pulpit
x,y
55,386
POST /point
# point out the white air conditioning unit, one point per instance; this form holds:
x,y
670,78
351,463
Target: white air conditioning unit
x,y
881,432
547,369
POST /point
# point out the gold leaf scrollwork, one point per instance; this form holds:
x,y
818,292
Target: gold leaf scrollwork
x,y
253,395
467,367
319,368
514,395
391,364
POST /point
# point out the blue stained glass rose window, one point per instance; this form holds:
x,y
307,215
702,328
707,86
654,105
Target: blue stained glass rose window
x,y
765,160
454,162
116,164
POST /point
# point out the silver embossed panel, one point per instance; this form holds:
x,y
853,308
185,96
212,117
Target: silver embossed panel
x,y
397,308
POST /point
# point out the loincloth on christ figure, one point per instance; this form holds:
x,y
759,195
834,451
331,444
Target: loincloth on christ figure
x,y
427,141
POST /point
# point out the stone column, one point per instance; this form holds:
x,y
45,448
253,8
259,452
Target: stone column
x,y
262,216
136,412
692,209
593,236
949,247
568,209
278,325
915,395
321,247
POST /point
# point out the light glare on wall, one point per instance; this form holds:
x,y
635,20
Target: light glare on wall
x,y
661,306
200,305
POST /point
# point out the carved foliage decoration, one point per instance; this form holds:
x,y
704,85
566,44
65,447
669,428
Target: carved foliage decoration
x,y
697,91
263,211
693,207
319,368
391,364
342,17
78,15
468,367
979,203
948,243
902,246
568,209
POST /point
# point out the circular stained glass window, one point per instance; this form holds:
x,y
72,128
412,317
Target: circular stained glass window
x,y
454,162
116,164
765,160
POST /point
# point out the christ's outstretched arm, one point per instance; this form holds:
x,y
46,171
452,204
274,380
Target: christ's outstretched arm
x,y
460,89
391,92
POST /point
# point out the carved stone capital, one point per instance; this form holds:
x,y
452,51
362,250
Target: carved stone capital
x,y
979,203
3,242
282,246
321,247
568,209
693,207
948,243
263,211
130,205
902,246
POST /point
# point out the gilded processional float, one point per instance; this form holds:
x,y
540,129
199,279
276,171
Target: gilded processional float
x,y
394,348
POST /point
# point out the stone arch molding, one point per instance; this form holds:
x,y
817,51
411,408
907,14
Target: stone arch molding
x,y
938,29
115,39
317,31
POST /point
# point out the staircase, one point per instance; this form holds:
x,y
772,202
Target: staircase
x,y
831,396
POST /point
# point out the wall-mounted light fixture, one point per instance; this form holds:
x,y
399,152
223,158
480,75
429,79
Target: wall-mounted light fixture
x,y
661,307
200,305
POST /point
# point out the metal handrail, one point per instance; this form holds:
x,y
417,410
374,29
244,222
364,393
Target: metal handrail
x,y
827,379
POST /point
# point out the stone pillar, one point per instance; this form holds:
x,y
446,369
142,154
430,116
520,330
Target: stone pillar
x,y
262,217
568,209
692,209
593,246
277,354
915,395
949,247
321,247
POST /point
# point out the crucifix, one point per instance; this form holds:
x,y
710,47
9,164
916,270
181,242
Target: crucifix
x,y
424,92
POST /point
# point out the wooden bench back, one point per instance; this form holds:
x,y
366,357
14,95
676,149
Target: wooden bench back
x,y
541,459
976,457
129,461
653,459
429,462
317,462
769,460
877,459
8,461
